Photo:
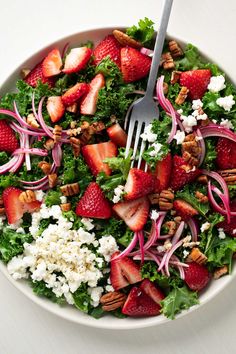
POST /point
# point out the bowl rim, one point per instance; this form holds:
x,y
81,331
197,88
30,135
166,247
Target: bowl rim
x,y
85,319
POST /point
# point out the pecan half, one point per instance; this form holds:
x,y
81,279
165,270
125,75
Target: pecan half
x,y
45,167
165,88
175,49
112,300
154,198
125,40
31,120
220,272
49,144
65,206
57,131
171,226
75,143
27,196
202,198
197,256
175,76
166,199
193,161
72,108
52,180
70,189
229,175
202,179
180,99
167,61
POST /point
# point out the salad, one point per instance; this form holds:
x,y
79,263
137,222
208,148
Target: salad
x,y
83,226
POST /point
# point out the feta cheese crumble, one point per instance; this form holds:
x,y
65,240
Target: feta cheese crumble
x,y
226,123
148,135
205,226
179,137
156,149
107,247
185,253
118,191
196,104
95,294
188,122
154,215
221,234
216,84
87,223
226,102
39,195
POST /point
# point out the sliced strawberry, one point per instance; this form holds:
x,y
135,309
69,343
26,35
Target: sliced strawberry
x,y
94,155
133,212
139,184
226,153
14,208
89,102
52,64
139,304
55,108
124,271
77,59
117,135
8,140
196,276
134,65
184,209
229,228
196,81
36,75
74,93
163,172
109,46
151,290
93,203
179,177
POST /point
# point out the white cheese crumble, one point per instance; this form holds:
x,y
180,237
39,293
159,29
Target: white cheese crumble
x,y
87,223
156,149
188,122
154,215
118,192
107,247
221,234
95,294
196,104
226,123
148,135
180,111
205,226
179,137
216,84
63,199
226,102
199,116
39,195
109,288
185,253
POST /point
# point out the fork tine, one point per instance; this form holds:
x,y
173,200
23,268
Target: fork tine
x,y
129,139
143,145
137,138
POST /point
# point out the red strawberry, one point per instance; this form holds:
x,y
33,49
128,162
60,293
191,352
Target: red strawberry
x,y
134,65
139,304
134,212
51,65
139,184
196,81
74,93
196,276
36,74
108,46
226,153
184,209
151,290
14,207
117,135
163,172
8,140
229,227
93,204
124,271
55,108
77,59
95,154
179,177
89,102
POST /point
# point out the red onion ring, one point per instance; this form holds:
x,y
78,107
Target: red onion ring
x,y
192,224
202,146
146,51
217,131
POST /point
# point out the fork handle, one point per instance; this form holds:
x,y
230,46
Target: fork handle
x,y
158,48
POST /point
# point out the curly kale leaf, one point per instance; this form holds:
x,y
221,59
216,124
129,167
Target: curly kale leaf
x,y
111,72
191,60
210,157
52,198
144,32
8,180
40,288
188,194
11,243
221,252
82,299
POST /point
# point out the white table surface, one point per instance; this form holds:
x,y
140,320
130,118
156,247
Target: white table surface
x,y
25,328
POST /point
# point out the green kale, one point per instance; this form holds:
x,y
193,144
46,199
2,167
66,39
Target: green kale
x,y
188,194
52,198
118,314
4,158
11,243
178,299
232,190
161,128
143,33
67,119
109,183
220,252
8,180
120,163
126,238
111,72
152,160
40,288
82,299
207,237
191,60
173,92
210,157
96,312
112,226
71,216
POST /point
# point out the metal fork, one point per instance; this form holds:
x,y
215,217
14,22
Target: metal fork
x,y
145,109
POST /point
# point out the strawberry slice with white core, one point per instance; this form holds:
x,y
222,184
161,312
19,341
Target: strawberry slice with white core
x,y
77,59
95,154
124,271
151,290
55,108
89,103
74,93
134,212
117,135
139,184
52,64
14,208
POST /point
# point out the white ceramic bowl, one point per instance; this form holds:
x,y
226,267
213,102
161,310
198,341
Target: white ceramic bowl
x,y
68,312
